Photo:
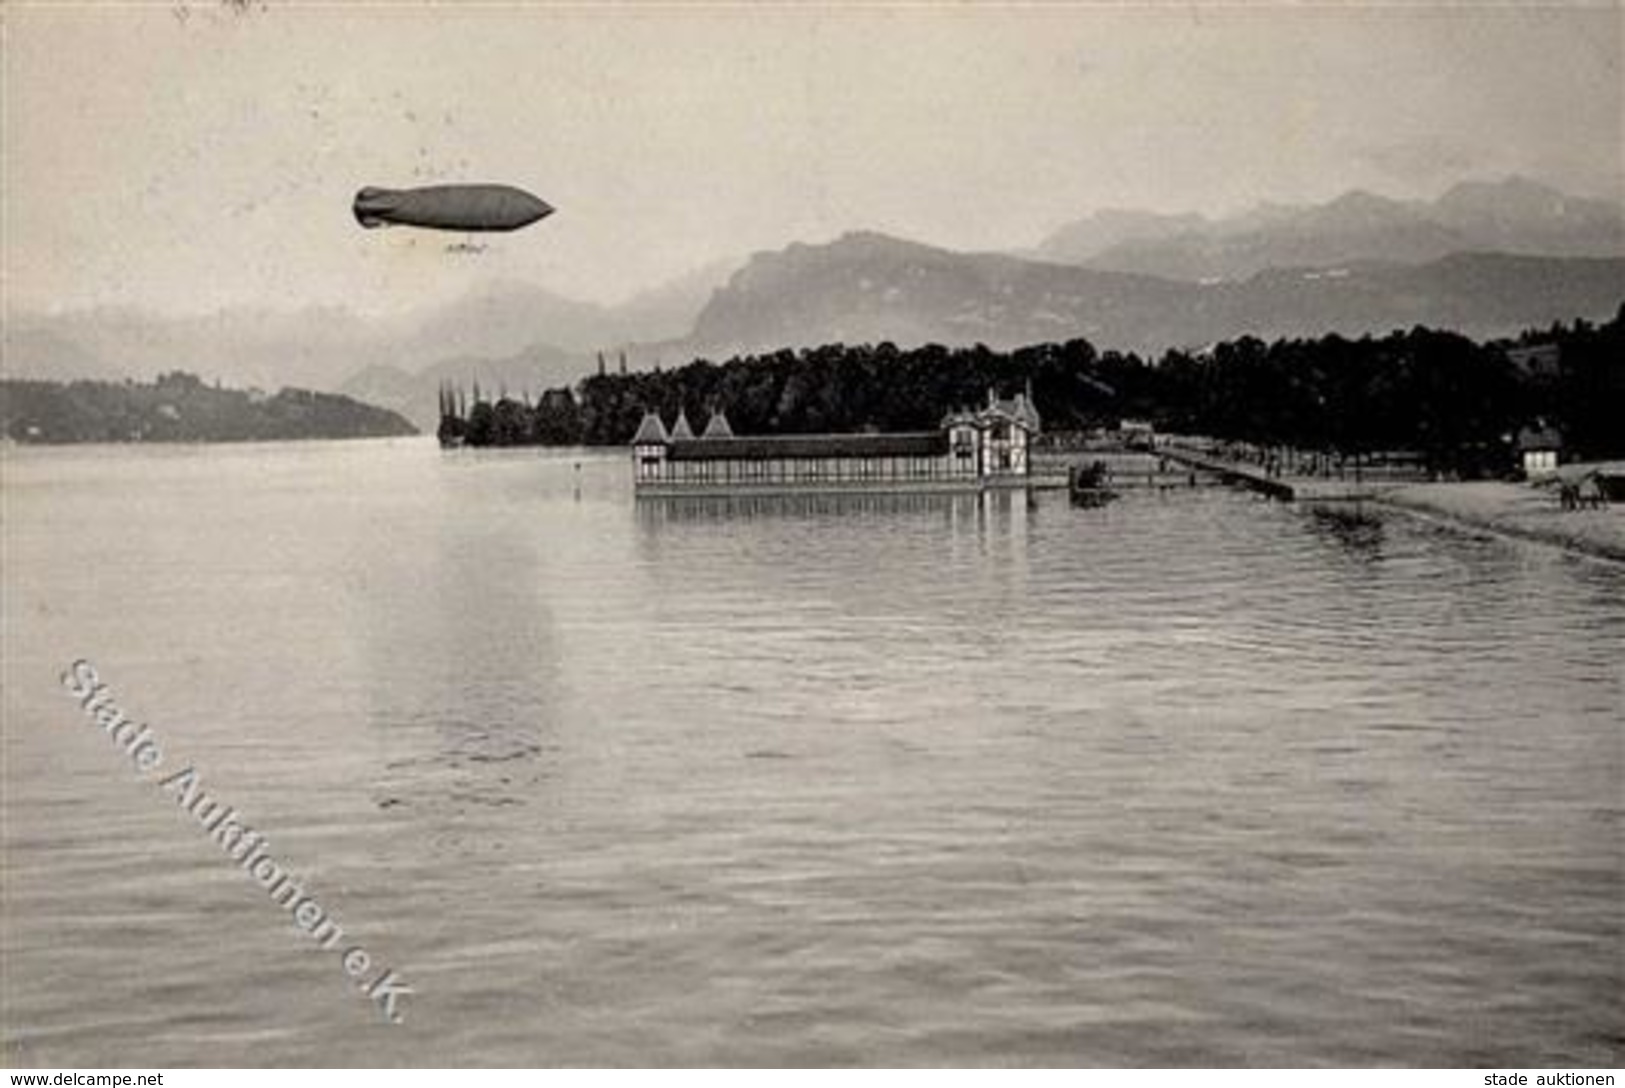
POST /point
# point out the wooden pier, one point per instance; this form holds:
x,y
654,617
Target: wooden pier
x,y
1287,488
1126,469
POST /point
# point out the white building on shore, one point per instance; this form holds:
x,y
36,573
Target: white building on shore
x,y
988,447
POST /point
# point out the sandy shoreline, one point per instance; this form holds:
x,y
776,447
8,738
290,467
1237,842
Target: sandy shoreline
x,y
1518,510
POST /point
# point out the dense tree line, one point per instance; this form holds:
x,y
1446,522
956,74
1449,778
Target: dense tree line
x,y
1586,398
179,407
1455,401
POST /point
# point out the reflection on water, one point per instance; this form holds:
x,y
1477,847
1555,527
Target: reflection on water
x,y
1003,511
1190,778
1355,526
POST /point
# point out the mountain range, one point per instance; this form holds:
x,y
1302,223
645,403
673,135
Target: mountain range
x,y
1512,216
869,287
1486,259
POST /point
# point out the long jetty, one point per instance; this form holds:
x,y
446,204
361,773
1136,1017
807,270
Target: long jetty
x,y
1288,487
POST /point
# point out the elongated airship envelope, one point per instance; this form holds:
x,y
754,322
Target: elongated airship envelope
x,y
451,207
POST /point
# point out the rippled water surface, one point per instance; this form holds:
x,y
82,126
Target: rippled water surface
x,y
1192,778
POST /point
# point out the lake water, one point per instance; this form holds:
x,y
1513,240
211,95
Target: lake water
x,y
1191,778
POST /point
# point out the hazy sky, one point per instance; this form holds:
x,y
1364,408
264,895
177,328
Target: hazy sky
x,y
187,158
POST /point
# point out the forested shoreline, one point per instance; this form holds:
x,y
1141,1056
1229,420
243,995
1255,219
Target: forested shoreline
x,y
1457,402
180,407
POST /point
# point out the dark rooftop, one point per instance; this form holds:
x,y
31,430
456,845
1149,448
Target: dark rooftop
x,y
801,446
1540,437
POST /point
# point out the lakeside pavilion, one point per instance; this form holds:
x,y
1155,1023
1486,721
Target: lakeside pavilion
x,y
988,447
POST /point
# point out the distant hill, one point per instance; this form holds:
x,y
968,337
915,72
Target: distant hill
x,y
1083,239
1515,216
869,287
326,348
415,395
179,407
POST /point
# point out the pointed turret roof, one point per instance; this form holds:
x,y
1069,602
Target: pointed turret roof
x,y
651,430
718,427
1019,409
681,431
1026,412
1032,407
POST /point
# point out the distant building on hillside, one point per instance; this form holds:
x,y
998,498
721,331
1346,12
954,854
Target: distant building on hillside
x,y
1540,450
987,447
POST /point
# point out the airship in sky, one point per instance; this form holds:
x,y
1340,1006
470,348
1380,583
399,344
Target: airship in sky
x,y
451,207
